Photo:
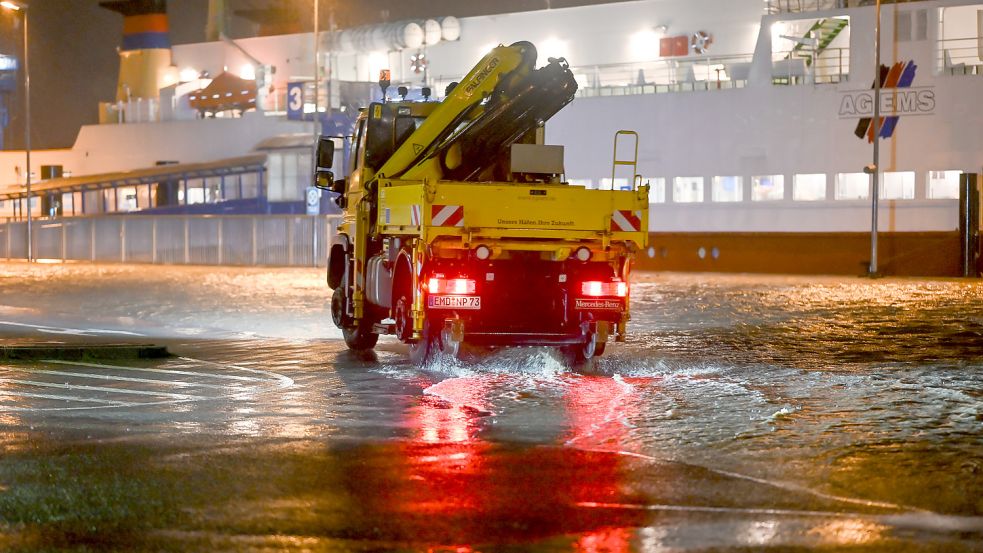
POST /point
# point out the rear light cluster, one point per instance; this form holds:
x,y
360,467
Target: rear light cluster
x,y
597,289
437,285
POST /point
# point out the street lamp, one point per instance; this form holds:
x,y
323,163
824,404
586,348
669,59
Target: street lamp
x,y
15,6
875,168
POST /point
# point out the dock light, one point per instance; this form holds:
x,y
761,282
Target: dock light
x,y
247,72
482,252
583,253
21,7
187,75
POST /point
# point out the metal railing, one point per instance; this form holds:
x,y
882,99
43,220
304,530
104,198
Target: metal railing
x,y
797,6
960,56
277,240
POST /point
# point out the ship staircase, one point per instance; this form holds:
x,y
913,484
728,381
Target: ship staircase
x,y
815,41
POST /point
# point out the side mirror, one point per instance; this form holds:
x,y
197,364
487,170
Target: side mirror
x,y
325,153
324,180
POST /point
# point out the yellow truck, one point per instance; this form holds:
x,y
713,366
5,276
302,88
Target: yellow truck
x,y
459,228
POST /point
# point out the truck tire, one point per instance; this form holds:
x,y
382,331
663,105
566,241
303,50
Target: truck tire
x,y
360,337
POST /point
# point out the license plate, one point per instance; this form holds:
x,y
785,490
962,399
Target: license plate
x,y
454,302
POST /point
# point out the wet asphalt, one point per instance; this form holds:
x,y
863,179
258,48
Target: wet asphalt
x,y
745,413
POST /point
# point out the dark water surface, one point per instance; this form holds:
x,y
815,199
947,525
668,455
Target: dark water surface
x,y
744,413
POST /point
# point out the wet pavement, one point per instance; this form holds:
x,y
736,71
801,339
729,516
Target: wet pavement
x,y
744,413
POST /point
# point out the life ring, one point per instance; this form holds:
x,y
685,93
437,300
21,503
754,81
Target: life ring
x,y
701,41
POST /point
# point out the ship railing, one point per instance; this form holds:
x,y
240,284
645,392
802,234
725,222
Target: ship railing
x,y
246,240
798,6
831,67
960,56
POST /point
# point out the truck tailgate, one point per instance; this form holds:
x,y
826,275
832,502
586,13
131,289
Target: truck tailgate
x,y
514,208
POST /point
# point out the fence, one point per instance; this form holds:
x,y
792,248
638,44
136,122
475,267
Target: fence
x,y
280,240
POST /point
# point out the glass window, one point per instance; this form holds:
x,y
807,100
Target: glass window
x,y
274,177
852,186
93,202
250,185
809,187
67,203
231,187
943,185
126,198
213,190
657,190
196,192
687,189
619,183
767,188
898,186
727,189
143,196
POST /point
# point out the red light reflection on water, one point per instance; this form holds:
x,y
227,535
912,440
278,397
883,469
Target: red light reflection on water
x,y
451,484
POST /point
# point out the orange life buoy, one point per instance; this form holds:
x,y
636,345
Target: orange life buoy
x,y
701,41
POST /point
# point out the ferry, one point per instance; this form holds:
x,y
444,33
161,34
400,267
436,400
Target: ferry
x,y
755,121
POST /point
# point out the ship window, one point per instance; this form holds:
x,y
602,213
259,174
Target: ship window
x,y
93,202
213,190
852,186
250,185
809,187
196,192
230,187
687,189
943,185
898,186
126,199
727,189
619,184
767,188
657,190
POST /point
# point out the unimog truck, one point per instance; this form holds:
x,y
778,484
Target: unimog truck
x,y
459,228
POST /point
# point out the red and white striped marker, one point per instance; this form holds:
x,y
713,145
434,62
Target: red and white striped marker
x,y
626,221
415,215
447,216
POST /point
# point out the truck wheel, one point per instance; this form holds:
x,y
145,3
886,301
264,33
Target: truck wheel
x,y
599,349
359,337
422,351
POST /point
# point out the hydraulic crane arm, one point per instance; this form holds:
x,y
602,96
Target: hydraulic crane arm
x,y
503,63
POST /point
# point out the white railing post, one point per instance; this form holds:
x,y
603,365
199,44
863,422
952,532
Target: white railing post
x,y
187,241
153,240
122,240
220,241
254,240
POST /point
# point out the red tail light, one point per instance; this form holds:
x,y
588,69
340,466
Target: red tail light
x,y
598,289
458,286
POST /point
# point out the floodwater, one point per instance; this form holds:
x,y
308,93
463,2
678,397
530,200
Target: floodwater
x,y
743,413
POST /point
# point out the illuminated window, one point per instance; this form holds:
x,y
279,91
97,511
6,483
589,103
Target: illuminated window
x,y
687,189
852,186
657,190
619,184
898,186
767,188
727,189
809,187
943,185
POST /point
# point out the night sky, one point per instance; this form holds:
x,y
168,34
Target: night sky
x,y
74,61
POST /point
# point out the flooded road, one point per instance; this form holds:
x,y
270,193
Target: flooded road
x,y
745,412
